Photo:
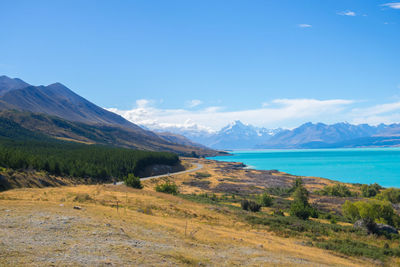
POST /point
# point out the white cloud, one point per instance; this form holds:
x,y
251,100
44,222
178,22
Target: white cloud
x,y
395,5
305,25
383,113
277,113
347,13
194,103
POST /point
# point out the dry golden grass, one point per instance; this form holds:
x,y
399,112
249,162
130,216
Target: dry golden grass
x,y
199,233
169,230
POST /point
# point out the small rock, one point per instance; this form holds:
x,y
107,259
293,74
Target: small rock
x,y
77,208
61,205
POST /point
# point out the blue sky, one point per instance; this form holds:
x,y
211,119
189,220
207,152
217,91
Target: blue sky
x,y
183,61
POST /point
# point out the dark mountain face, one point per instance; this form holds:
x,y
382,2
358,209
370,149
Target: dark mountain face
x,y
58,100
8,84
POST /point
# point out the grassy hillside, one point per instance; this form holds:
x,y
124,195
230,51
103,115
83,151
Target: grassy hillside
x,y
127,227
203,225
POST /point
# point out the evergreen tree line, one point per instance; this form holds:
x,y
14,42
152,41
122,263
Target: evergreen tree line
x,y
78,160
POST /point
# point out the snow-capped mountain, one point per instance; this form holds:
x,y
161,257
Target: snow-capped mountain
x,y
238,135
235,135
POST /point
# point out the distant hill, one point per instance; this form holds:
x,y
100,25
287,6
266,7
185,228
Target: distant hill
x,y
57,111
319,135
238,135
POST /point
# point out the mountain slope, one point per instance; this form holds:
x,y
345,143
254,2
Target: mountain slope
x,y
58,100
96,134
319,135
79,119
236,135
8,84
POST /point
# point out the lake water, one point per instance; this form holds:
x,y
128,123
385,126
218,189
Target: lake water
x,y
361,165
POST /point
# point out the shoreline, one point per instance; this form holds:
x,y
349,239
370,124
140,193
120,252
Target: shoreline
x,y
377,165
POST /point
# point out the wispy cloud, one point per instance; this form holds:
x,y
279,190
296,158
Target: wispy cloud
x,y
394,5
304,25
285,113
277,113
347,13
193,103
383,113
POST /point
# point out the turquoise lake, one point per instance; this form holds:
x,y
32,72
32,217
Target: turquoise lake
x,y
361,165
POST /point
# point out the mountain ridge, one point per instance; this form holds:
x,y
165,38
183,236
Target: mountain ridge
x,y
56,110
238,135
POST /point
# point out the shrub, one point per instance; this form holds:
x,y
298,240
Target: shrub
x,y
250,205
337,190
266,200
82,197
133,181
254,207
300,206
352,248
244,204
167,187
300,210
376,210
390,194
370,190
297,183
202,175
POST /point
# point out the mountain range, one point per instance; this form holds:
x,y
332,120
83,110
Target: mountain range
x,y
238,135
57,111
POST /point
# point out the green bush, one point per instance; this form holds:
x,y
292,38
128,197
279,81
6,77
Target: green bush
x,y
377,210
250,205
337,190
353,248
300,206
300,210
293,226
370,190
202,175
390,194
266,200
167,187
133,181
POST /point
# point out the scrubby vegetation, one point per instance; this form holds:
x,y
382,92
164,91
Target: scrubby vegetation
x,y
337,190
370,190
266,200
167,187
133,181
391,194
300,206
377,210
202,175
250,205
78,160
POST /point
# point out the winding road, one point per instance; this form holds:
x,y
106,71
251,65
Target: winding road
x,y
198,167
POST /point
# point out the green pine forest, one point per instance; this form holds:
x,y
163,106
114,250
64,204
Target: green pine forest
x,y
21,148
